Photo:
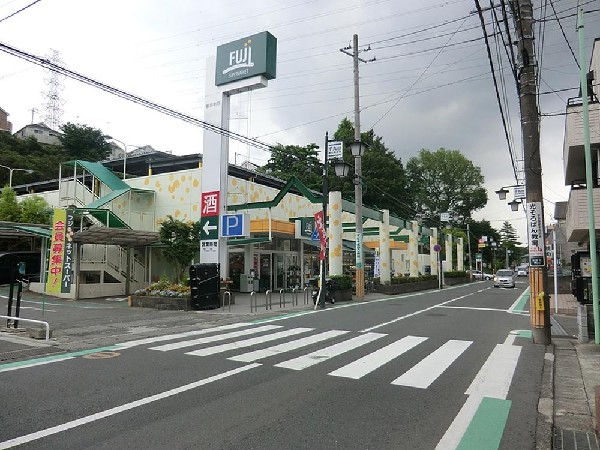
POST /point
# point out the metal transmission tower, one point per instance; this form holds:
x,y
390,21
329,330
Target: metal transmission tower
x,y
53,102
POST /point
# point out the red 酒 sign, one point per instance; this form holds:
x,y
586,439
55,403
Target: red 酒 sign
x,y
210,204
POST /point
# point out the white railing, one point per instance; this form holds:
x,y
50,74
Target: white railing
x,y
114,258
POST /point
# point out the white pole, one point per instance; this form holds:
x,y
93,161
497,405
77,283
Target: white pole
x,y
555,270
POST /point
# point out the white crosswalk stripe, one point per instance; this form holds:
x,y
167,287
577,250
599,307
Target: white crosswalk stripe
x,y
430,368
287,346
248,342
218,337
302,362
372,361
422,375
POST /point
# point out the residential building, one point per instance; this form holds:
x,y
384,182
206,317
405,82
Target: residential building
x,y
576,217
5,125
41,132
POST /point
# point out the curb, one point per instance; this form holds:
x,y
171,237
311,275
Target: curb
x,y
545,413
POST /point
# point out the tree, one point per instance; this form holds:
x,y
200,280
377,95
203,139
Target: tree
x,y
293,160
444,181
83,142
479,229
10,210
35,209
384,182
508,240
182,240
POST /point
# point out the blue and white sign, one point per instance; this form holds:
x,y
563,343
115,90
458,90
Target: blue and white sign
x,y
315,235
235,225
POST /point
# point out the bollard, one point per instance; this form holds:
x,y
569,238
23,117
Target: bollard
x,y
268,301
305,291
253,302
281,297
295,297
228,295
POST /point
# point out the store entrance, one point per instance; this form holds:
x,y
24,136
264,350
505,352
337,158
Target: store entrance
x,y
287,271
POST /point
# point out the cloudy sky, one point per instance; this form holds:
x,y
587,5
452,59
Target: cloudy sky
x,y
430,85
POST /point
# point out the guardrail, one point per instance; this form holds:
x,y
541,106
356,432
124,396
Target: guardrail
x,y
228,295
281,297
295,297
268,301
306,294
253,302
20,319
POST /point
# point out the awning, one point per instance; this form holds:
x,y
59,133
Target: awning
x,y
20,230
247,241
116,236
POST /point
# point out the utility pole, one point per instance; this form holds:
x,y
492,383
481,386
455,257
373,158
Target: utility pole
x,y
358,191
539,300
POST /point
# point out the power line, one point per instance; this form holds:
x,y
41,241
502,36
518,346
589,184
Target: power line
x,y
20,10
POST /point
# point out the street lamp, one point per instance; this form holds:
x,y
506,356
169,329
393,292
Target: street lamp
x,y
342,169
11,170
110,138
514,205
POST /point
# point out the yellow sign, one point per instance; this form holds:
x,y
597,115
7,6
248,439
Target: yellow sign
x,y
55,265
539,302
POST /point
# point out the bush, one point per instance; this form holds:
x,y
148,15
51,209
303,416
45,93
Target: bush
x,y
165,288
404,280
455,274
342,281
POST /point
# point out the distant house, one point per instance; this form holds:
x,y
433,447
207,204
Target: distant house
x,y
41,132
5,125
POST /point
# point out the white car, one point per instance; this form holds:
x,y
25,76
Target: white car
x,y
521,271
504,278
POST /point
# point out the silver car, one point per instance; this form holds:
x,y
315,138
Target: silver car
x,y
504,278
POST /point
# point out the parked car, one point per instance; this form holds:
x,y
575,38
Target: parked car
x,y
504,278
476,274
488,276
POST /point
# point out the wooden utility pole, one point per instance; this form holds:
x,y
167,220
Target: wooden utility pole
x,y
539,300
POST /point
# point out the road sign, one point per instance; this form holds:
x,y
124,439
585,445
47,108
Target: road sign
x,y
234,225
209,228
335,149
315,235
437,247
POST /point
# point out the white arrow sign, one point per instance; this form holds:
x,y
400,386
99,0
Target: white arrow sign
x,y
208,228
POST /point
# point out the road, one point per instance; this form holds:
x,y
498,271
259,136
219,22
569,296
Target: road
x,y
442,369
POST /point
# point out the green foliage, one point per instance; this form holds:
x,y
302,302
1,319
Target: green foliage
x,y
35,209
384,181
455,274
404,280
182,242
342,281
293,160
444,181
10,210
83,142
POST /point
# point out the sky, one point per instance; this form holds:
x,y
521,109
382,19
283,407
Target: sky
x,y
430,85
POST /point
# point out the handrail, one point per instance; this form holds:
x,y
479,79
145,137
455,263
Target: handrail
x,y
253,302
20,319
305,294
268,301
228,294
281,297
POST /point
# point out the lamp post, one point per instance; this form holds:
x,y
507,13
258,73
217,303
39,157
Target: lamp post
x,y
11,170
110,138
342,169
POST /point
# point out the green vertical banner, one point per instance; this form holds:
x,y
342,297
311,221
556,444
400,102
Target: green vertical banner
x,y
57,250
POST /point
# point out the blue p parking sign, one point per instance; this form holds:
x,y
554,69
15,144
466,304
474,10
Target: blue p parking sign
x,y
234,225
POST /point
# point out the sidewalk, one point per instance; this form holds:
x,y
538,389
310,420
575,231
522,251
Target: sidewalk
x,y
573,376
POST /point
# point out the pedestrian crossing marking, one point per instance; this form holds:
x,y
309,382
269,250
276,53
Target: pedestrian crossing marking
x,y
429,369
302,362
169,337
218,337
287,346
372,361
421,376
248,342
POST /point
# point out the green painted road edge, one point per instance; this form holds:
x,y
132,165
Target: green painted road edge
x,y
525,334
58,357
523,299
487,427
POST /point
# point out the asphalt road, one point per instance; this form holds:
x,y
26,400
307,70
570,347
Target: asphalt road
x,y
443,369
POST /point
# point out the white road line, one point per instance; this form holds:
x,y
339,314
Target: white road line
x,y
214,338
429,369
493,380
33,364
169,337
248,342
474,308
119,409
302,362
287,346
372,361
414,313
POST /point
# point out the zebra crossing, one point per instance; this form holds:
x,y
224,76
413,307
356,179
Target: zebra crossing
x,y
245,342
